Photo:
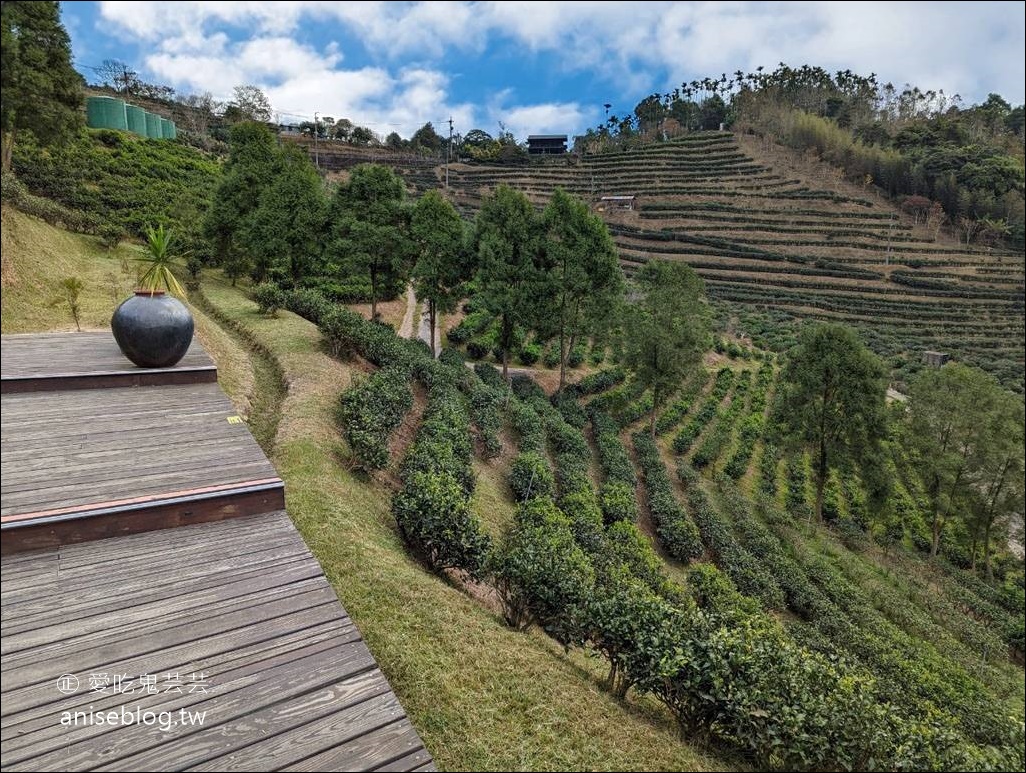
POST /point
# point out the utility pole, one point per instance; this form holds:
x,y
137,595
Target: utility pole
x,y
448,154
317,131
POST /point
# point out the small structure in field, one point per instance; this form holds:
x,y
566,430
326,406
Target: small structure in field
x,y
617,202
546,144
935,359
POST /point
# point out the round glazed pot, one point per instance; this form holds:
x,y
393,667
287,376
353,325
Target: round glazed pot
x,y
153,330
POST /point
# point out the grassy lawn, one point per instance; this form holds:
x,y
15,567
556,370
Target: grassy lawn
x,y
482,696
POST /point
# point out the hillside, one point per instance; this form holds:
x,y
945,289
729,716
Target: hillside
x,y
482,696
778,239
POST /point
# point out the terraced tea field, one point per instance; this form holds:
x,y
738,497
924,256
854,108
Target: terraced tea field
x,y
775,247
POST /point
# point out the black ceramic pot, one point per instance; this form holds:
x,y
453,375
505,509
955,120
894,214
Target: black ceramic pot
x,y
153,330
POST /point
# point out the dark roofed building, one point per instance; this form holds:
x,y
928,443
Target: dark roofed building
x,y
935,359
546,144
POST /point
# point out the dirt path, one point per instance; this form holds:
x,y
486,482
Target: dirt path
x,y
406,328
424,328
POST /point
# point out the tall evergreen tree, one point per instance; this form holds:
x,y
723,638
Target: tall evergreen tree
x,y
587,283
437,231
833,392
666,330
507,239
247,174
285,232
370,228
39,89
998,490
965,433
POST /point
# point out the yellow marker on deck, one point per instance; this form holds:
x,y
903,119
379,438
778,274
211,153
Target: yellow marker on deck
x,y
235,420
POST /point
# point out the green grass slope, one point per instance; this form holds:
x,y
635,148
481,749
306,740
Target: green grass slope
x,y
482,696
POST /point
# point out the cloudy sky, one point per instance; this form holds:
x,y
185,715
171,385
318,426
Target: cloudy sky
x,y
537,67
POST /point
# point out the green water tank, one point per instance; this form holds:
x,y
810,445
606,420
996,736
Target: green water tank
x,y
136,119
165,128
174,130
153,126
106,113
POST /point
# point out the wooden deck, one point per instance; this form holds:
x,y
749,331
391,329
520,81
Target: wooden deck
x,y
204,635
137,450
93,463
289,683
64,361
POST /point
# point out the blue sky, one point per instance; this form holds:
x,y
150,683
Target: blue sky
x,y
536,67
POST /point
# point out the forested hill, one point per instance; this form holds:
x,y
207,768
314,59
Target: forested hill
x,y
779,238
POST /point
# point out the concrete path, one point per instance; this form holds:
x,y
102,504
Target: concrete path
x,y
406,328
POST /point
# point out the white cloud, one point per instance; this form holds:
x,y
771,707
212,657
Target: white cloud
x,y
549,118
631,48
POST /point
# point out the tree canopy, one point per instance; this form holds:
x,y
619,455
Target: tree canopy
x,y
248,103
370,229
247,173
584,267
40,91
437,232
832,404
965,433
666,329
283,234
507,241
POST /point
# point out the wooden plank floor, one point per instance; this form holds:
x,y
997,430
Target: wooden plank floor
x,y
230,621
75,449
52,361
215,645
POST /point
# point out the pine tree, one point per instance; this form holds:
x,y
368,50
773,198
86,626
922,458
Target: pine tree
x,y
39,89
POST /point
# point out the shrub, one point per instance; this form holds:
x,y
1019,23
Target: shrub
x,y
530,476
528,426
309,304
582,511
748,574
575,358
368,412
597,382
529,354
458,336
477,349
616,464
690,432
485,409
617,616
436,521
123,181
676,531
111,235
339,328
619,502
269,298
625,545
551,357
46,209
541,574
571,411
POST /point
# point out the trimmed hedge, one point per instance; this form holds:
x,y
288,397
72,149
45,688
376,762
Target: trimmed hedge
x,y
542,574
370,410
530,476
750,577
677,532
690,432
